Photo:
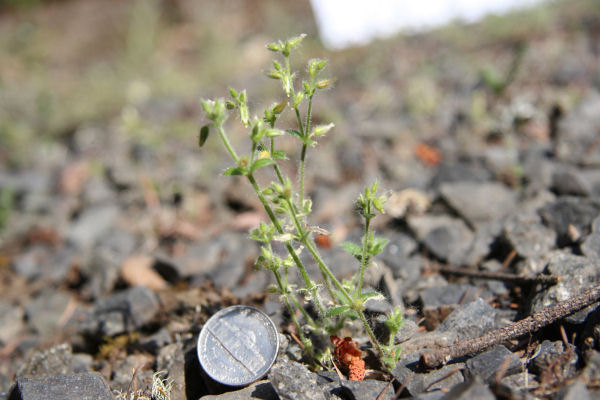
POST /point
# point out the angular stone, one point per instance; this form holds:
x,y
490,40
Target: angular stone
x,y
85,386
293,381
576,274
367,389
261,390
479,202
487,364
528,237
423,380
520,383
439,301
447,238
47,363
568,180
91,225
44,312
460,172
472,389
575,391
570,211
591,245
470,320
578,132
126,311
548,353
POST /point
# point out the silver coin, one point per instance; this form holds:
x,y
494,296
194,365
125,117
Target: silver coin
x,y
238,345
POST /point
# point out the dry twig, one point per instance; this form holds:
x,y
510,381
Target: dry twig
x,y
527,325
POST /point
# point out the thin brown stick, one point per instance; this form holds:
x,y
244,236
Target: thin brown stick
x,y
404,385
443,378
501,276
527,325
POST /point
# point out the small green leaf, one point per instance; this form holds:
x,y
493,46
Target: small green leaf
x,y
335,311
278,109
378,246
279,155
371,295
294,132
204,131
352,248
263,162
234,171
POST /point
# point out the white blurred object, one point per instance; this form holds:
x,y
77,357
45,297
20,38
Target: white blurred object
x,y
345,23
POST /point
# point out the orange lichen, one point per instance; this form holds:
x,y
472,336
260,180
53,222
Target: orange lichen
x,y
428,155
348,356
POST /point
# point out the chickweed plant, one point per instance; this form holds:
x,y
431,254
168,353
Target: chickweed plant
x,y
288,208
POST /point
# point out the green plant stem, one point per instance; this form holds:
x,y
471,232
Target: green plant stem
x,y
286,296
371,334
309,284
275,166
227,144
363,259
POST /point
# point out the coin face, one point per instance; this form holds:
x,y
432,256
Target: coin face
x,y
238,345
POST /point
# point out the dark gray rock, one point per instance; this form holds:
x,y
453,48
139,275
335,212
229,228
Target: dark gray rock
x,y
518,384
575,391
261,390
590,247
472,389
399,249
156,341
591,371
40,262
293,381
11,321
548,352
439,301
47,363
460,172
527,236
424,380
470,320
106,260
81,362
122,371
171,358
44,312
578,132
487,364
479,202
125,311
85,386
447,238
567,180
92,224
566,211
367,389
576,274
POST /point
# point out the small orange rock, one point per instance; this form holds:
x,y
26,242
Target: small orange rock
x,y
137,270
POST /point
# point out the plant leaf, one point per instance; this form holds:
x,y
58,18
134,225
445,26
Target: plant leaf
x,y
234,171
263,162
352,248
279,155
335,311
371,295
294,132
204,131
